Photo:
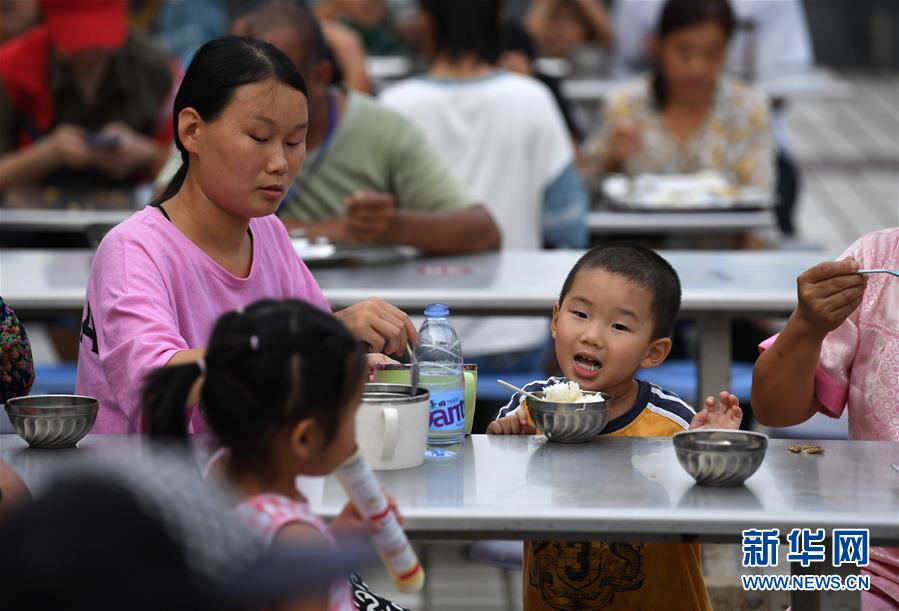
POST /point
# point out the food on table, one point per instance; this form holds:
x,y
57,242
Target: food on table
x,y
569,392
806,449
706,189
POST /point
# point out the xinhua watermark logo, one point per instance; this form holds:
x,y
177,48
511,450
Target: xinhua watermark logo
x,y
835,583
849,546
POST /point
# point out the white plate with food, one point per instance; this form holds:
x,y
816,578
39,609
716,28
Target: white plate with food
x,y
667,192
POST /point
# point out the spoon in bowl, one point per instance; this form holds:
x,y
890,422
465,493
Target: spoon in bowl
x,y
521,390
413,369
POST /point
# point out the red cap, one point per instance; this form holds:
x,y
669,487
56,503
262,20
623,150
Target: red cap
x,y
78,25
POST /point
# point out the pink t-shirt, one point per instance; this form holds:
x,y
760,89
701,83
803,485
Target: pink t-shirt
x,y
152,292
859,362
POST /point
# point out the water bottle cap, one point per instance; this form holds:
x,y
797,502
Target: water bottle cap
x,y
436,310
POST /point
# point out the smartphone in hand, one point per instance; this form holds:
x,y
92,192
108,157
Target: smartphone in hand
x,y
102,141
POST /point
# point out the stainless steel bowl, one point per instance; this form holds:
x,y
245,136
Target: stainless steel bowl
x,y
52,421
569,422
720,457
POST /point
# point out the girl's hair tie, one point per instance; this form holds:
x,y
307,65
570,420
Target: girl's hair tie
x,y
254,342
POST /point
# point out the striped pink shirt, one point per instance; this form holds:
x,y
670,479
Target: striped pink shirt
x,y
269,513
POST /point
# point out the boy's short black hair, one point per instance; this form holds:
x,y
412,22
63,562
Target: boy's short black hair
x,y
643,267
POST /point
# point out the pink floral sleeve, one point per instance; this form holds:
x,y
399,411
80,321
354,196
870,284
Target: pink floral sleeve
x,y
835,365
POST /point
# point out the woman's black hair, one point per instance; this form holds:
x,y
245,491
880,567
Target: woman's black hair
x,y
217,69
465,27
679,14
267,367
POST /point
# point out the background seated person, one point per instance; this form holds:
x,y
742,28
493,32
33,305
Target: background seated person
x,y
772,39
370,175
503,136
371,20
563,27
82,100
16,17
686,116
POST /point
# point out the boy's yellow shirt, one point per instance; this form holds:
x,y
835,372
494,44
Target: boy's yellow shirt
x,y
595,575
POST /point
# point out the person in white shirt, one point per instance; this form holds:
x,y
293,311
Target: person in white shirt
x,y
503,136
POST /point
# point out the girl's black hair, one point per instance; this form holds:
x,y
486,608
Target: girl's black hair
x,y
465,27
217,69
267,367
679,14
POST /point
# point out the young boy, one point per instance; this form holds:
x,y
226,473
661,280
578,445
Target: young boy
x,y
614,314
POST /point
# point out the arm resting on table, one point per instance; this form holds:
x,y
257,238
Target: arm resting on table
x,y
469,230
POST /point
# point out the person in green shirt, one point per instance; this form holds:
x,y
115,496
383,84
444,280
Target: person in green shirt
x,y
369,176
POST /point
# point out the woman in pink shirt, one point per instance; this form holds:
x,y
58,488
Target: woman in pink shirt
x,y
840,349
211,243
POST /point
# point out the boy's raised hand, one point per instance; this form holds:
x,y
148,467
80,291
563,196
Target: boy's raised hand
x,y
516,423
726,414
828,293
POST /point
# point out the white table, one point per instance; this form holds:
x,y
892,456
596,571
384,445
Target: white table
x,y
516,487
816,84
520,487
525,487
717,286
69,210
610,222
60,220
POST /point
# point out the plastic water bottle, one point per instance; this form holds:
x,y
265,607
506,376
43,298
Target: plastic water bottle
x,y
439,357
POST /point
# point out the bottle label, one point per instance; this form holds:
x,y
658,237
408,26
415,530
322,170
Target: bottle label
x,y
447,410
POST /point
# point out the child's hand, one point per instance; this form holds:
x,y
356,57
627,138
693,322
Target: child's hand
x,y
516,423
376,360
624,143
725,415
350,521
828,293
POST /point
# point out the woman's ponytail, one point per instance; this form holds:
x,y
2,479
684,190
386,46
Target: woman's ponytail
x,y
174,184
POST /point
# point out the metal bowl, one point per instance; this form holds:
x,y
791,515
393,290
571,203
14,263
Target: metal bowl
x,y
52,421
720,457
569,422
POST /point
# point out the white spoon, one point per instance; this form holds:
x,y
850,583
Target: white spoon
x,y
894,272
521,390
413,369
